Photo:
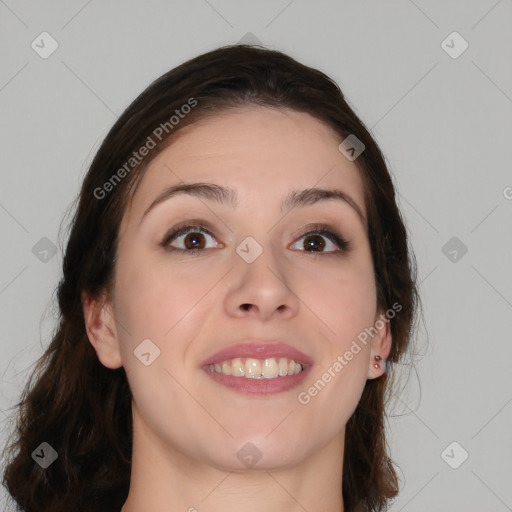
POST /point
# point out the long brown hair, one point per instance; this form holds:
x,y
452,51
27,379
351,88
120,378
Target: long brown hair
x,y
83,409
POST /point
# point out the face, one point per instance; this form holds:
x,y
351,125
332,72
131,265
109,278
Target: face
x,y
254,269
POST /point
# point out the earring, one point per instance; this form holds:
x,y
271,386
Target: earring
x,y
376,365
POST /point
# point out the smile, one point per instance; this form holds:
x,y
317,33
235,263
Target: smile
x,y
258,377
249,368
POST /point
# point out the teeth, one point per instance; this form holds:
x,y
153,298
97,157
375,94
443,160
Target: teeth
x,y
283,367
237,367
226,369
258,369
270,369
252,368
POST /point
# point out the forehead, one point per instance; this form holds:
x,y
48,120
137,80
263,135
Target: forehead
x,y
257,151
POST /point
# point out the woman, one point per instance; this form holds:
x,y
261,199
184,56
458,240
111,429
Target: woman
x,y
236,287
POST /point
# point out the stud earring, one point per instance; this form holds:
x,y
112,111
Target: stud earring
x,y
376,365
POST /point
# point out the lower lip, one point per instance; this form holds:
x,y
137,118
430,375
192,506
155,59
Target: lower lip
x,y
259,387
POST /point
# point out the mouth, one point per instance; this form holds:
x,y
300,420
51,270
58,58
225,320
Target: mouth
x,y
250,368
258,369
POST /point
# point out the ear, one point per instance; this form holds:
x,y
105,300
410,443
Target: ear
x,y
100,327
380,346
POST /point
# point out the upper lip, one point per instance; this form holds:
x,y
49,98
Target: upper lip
x,y
259,350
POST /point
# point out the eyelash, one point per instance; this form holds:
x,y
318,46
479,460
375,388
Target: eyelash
x,y
315,229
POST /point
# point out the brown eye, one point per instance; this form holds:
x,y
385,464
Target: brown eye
x,y
194,241
323,240
190,239
314,243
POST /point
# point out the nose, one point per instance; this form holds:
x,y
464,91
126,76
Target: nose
x,y
262,289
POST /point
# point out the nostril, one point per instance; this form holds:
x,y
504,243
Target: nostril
x,y
245,307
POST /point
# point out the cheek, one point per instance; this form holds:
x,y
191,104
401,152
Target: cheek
x,y
151,292
342,299
159,301
152,305
344,304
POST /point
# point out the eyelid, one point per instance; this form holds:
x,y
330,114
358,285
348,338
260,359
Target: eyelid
x,y
327,231
322,229
184,228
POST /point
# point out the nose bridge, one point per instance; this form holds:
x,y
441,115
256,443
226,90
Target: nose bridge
x,y
259,259
262,277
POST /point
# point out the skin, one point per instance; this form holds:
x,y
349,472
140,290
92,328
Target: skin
x,y
187,428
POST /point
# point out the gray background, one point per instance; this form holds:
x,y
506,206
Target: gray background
x,y
443,123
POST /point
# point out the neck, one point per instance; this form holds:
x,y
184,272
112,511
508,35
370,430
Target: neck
x,y
163,478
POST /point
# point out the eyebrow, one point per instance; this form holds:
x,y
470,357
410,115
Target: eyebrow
x,y
226,195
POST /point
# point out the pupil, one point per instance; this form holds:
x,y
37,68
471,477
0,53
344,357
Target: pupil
x,y
192,241
315,244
